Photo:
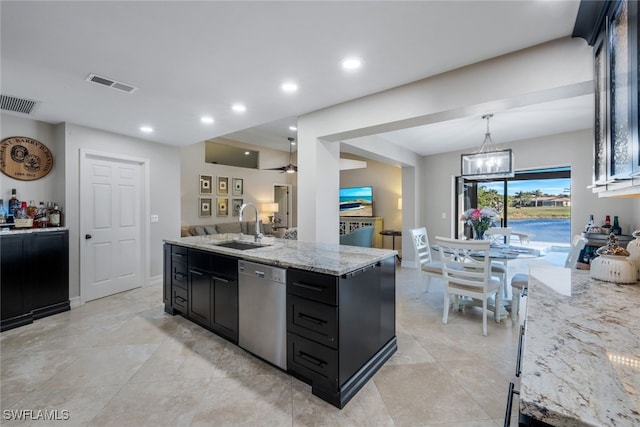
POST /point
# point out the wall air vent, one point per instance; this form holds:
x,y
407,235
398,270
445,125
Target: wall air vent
x,y
18,105
105,81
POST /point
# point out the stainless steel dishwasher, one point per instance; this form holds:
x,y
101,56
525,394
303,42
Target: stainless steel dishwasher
x,y
262,311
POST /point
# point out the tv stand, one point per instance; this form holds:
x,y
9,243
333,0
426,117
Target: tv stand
x,y
350,223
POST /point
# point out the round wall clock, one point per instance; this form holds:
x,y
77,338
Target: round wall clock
x,y
25,158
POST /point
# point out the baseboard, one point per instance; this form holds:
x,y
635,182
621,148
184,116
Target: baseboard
x,y
155,280
409,264
74,302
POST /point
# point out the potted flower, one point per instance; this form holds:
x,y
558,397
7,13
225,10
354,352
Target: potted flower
x,y
480,220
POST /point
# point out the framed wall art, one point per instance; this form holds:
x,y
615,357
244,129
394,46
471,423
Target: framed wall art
x,y
205,184
236,204
238,186
204,206
222,206
223,185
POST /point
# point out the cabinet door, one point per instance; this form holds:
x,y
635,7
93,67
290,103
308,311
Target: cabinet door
x,y
225,307
50,260
199,297
12,276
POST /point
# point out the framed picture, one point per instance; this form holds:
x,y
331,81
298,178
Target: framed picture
x,y
236,203
205,184
223,185
204,205
237,186
222,206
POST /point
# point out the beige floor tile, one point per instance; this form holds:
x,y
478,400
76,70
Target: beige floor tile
x,y
258,400
409,351
421,394
29,371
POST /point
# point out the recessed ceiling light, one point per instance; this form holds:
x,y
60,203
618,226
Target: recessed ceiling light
x,y
206,119
293,128
289,87
239,108
146,129
246,153
351,63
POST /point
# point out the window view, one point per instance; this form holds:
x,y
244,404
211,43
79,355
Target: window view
x,y
536,203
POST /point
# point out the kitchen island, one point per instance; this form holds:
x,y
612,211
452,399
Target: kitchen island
x,y
581,357
338,304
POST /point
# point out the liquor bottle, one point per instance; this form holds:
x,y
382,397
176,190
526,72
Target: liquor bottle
x,y
31,209
3,213
22,220
606,227
54,216
589,224
14,203
616,229
41,219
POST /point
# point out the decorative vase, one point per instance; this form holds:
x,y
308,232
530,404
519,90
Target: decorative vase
x,y
478,233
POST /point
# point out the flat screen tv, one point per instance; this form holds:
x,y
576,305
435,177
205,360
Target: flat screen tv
x,y
356,201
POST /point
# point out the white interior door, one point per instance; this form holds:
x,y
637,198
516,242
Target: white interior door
x,y
111,250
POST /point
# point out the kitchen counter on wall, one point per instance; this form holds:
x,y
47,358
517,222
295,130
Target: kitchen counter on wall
x,y
581,359
8,232
324,258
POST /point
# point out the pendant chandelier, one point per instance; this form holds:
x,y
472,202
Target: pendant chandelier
x,y
487,161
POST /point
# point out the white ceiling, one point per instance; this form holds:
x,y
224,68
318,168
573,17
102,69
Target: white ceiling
x,y
189,58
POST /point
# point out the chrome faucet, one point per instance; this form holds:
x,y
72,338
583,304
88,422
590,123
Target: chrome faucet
x,y
257,234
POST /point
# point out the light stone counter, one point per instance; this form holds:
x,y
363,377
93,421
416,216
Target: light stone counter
x,y
581,359
9,232
325,258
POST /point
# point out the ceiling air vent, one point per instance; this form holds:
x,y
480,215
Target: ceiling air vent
x,y
18,105
105,81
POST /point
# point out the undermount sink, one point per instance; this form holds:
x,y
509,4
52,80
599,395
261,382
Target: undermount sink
x,y
242,246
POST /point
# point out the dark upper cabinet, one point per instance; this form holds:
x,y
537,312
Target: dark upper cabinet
x,y
611,27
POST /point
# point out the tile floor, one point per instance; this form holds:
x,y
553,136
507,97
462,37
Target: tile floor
x,y
121,361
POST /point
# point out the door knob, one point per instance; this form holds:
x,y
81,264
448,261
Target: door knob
x,y
88,236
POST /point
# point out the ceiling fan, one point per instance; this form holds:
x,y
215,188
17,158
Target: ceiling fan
x,y
290,168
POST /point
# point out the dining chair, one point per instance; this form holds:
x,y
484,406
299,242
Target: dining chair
x,y
520,281
420,241
500,236
466,270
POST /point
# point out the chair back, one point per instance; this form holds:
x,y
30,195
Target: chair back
x,y
500,235
465,263
577,244
420,241
362,236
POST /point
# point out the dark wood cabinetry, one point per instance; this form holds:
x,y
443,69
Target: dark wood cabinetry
x,y
34,276
204,287
340,329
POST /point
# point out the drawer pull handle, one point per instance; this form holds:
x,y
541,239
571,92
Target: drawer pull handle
x,y
197,273
311,319
220,279
180,299
519,357
177,254
310,359
310,287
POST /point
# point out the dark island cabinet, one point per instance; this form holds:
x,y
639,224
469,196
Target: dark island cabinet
x,y
340,329
203,287
34,276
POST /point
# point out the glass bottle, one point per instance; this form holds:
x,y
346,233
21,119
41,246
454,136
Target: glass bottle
x,y
54,216
41,219
589,224
3,214
606,227
14,203
615,228
31,210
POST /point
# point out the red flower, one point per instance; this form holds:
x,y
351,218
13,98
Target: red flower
x,y
476,215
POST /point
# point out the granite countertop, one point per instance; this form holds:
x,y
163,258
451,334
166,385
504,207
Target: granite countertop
x,y
581,358
13,231
324,258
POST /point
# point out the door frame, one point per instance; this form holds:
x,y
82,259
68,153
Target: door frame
x,y
289,201
145,212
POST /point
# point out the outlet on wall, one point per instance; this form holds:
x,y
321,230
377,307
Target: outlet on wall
x,y
154,218
444,215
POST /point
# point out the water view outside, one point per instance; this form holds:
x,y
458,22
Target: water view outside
x,y
544,229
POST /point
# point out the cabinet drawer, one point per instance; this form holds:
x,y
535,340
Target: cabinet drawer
x,y
179,253
201,260
179,274
180,299
314,286
313,320
313,361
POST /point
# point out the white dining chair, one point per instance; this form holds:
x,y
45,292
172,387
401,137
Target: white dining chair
x,y
500,236
423,254
466,270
